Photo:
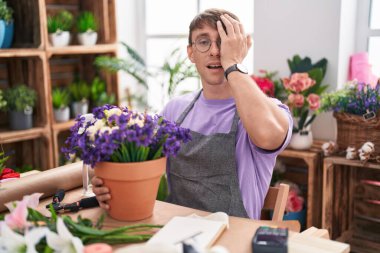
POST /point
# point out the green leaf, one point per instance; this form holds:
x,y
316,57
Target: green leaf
x,y
163,190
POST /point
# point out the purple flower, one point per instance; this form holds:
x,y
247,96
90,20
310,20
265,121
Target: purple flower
x,y
117,134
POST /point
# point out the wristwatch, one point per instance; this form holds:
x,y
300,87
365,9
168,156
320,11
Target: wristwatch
x,y
236,67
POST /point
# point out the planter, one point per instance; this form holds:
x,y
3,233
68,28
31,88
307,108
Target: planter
x,y
60,39
21,120
8,35
300,216
2,32
62,115
133,187
80,107
88,38
302,140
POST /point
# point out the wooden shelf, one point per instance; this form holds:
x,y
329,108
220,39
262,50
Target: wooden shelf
x,y
7,136
77,49
354,163
58,127
6,53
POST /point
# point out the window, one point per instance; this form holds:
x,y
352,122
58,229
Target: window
x,y
166,31
374,37
369,31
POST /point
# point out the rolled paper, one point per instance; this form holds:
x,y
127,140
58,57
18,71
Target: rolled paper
x,y
98,248
66,177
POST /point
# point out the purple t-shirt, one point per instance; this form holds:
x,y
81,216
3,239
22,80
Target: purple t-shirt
x,y
254,165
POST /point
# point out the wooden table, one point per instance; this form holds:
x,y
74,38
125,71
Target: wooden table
x,y
236,239
312,159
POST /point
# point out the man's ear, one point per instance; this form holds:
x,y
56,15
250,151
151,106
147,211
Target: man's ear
x,y
190,53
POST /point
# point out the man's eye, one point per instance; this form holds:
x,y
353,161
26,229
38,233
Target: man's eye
x,y
204,42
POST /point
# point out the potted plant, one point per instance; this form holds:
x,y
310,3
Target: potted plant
x,y
59,27
6,25
87,27
3,102
99,94
20,102
61,100
128,151
304,88
80,93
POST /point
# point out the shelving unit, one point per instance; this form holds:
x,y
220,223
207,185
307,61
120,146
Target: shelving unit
x,y
350,206
34,62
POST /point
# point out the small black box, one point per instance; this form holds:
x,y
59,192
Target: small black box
x,y
270,240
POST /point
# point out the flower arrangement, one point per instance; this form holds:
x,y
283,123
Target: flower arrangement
x,y
295,201
265,83
25,229
304,89
355,98
117,134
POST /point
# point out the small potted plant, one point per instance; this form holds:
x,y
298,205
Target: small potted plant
x,y
20,102
87,27
6,25
59,28
3,102
80,93
61,100
99,94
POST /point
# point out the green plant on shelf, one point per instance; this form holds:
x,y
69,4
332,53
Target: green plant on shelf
x,y
99,94
6,12
79,91
3,102
63,21
86,22
60,97
3,159
20,98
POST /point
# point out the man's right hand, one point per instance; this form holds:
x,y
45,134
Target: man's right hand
x,y
102,193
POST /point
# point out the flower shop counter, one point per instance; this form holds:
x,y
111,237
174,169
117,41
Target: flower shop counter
x,y
236,239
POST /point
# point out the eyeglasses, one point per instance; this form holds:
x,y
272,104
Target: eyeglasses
x,y
203,44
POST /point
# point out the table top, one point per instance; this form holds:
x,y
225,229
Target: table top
x,y
237,238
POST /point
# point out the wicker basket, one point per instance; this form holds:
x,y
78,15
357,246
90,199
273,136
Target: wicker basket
x,y
354,130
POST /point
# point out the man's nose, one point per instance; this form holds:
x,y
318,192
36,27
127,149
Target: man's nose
x,y
215,48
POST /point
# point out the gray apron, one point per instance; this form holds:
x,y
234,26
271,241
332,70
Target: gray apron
x,y
204,175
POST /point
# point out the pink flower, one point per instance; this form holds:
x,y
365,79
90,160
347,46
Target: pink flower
x,y
314,101
19,211
298,82
296,100
17,218
294,203
265,84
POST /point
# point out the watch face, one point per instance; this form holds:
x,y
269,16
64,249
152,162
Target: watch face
x,y
242,68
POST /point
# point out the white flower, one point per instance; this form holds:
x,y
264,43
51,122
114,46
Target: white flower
x,y
14,242
113,111
136,119
64,241
89,117
351,153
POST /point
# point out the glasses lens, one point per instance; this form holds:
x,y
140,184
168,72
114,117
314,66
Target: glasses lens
x,y
203,44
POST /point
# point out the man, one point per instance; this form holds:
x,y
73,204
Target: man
x,y
237,130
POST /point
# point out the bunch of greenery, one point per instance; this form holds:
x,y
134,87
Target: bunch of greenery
x,y
99,94
177,68
6,12
79,91
63,21
86,22
60,97
3,102
133,65
20,98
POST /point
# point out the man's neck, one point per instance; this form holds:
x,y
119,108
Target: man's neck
x,y
213,92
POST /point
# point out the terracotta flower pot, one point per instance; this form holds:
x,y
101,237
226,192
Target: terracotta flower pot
x,y
133,187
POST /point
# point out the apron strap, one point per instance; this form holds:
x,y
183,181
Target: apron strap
x,y
188,108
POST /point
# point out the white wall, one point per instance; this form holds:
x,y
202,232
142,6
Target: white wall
x,y
310,28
